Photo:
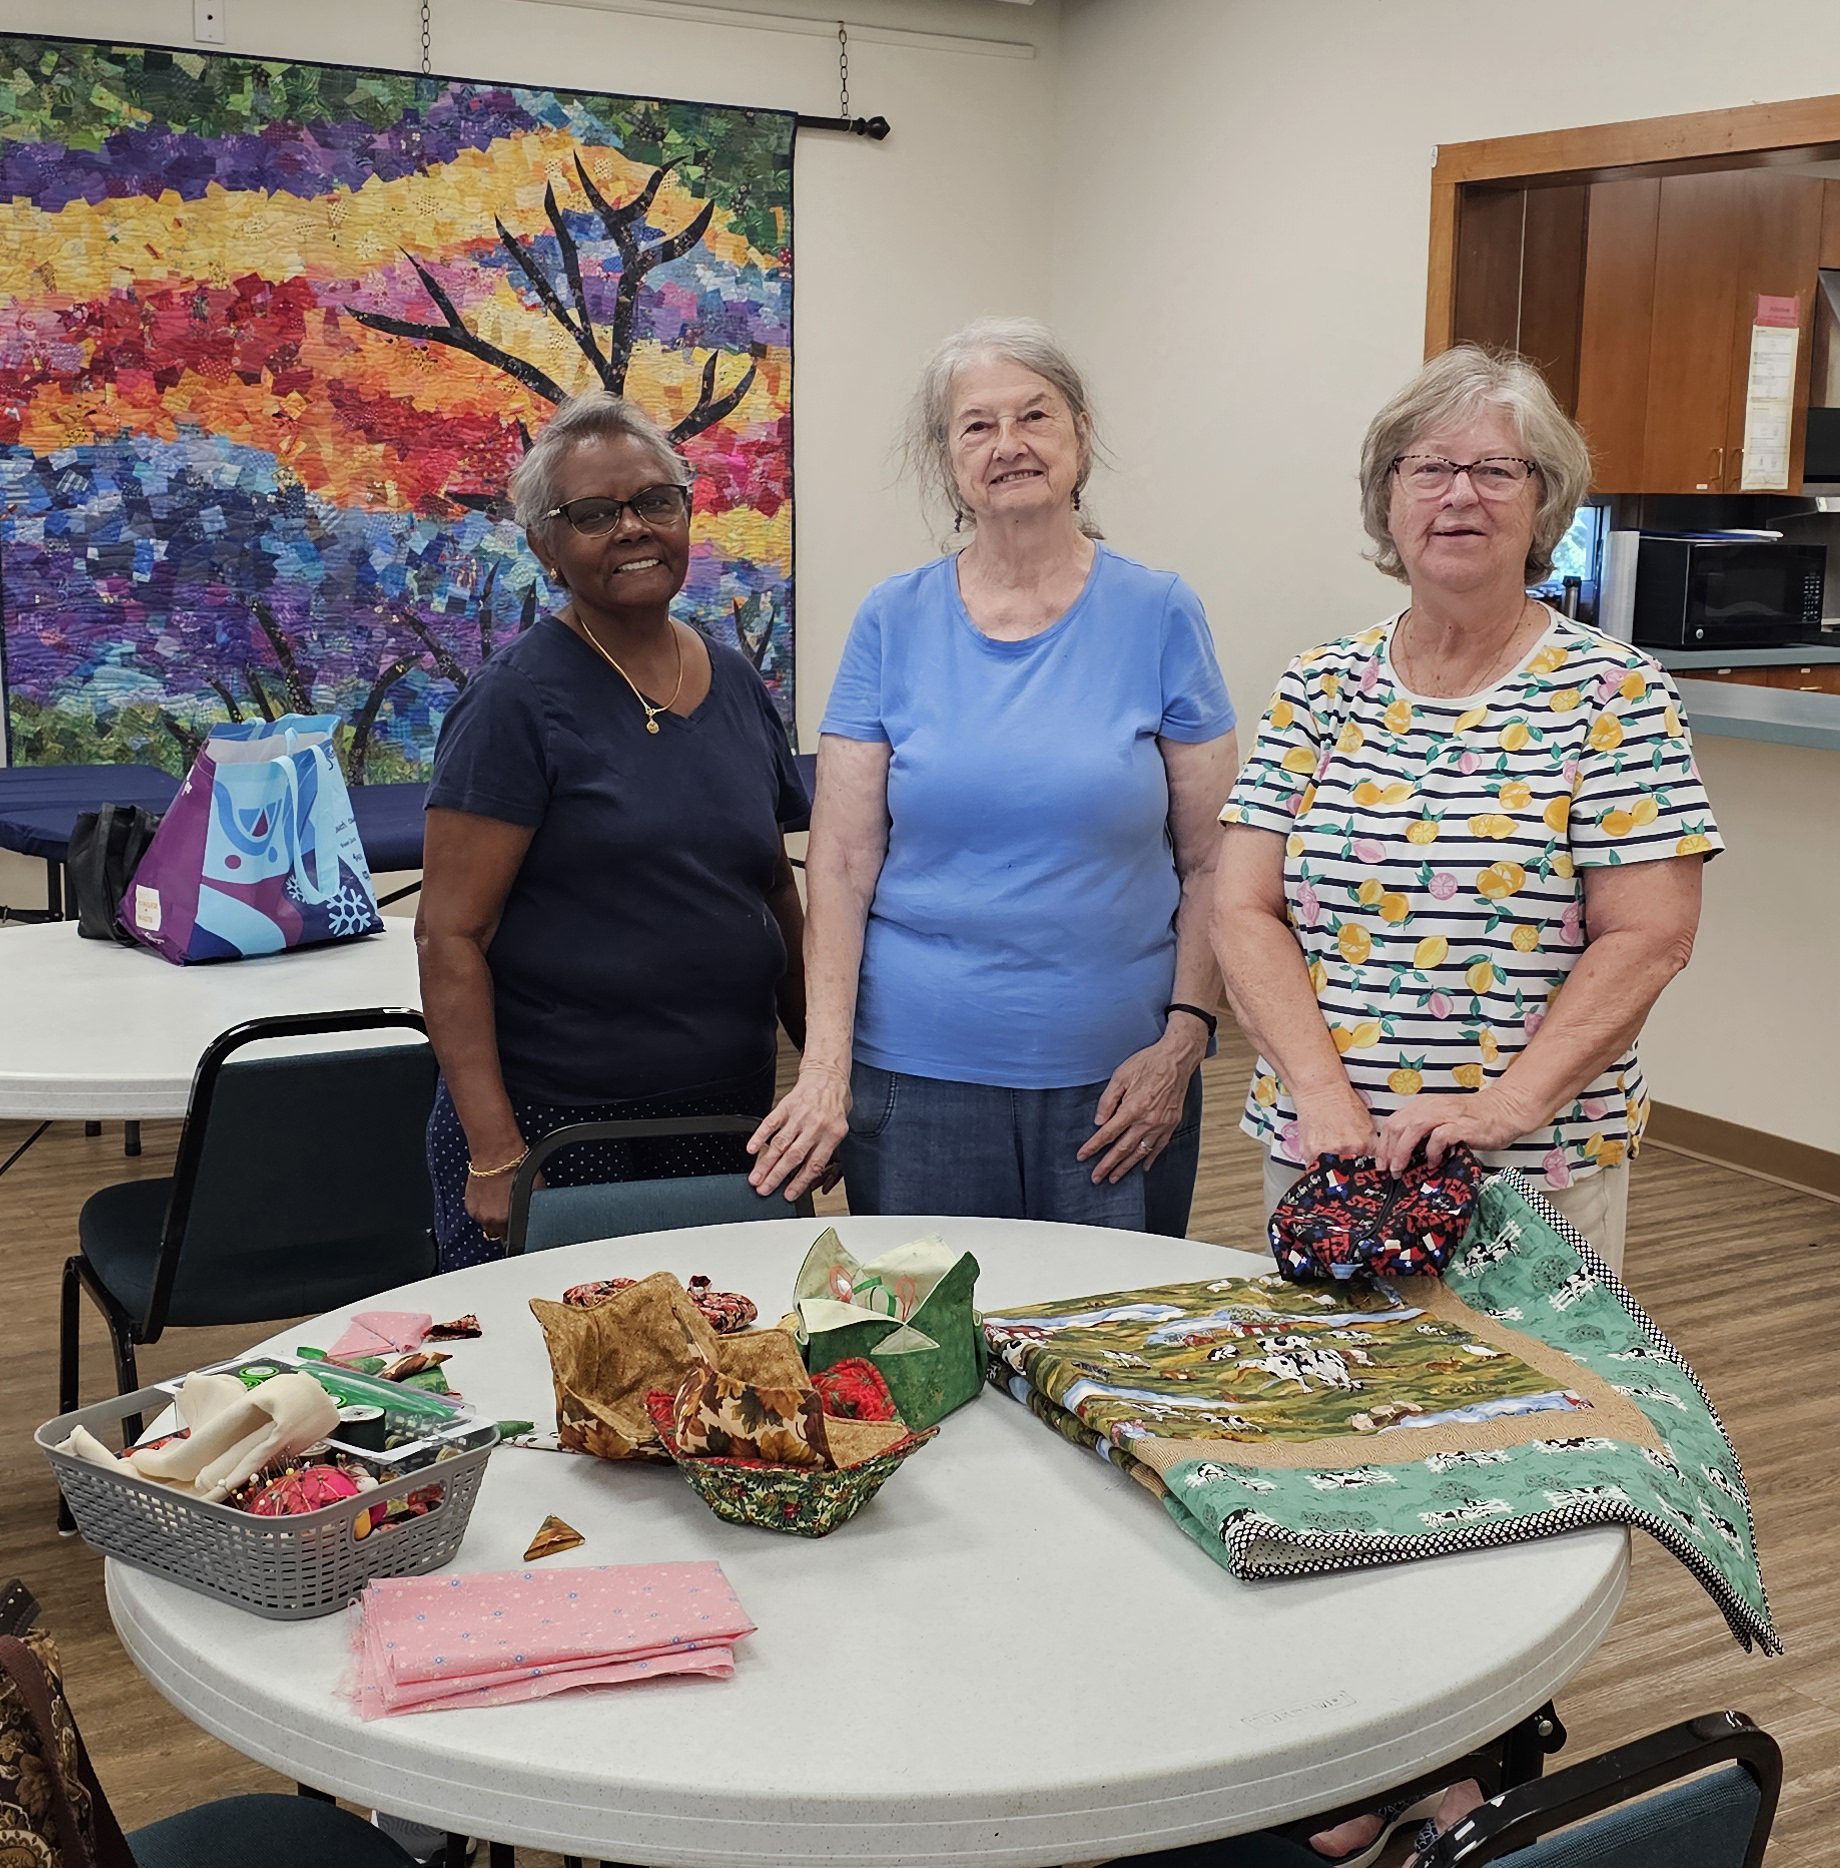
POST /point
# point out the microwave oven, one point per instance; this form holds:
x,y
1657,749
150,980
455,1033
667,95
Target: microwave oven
x,y
1705,591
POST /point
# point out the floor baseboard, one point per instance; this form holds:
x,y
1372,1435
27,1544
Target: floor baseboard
x,y
1751,1151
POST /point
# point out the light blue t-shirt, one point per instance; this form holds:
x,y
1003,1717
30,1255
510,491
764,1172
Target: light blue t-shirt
x,y
1022,932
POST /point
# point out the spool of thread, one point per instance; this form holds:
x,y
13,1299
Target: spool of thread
x,y
363,1426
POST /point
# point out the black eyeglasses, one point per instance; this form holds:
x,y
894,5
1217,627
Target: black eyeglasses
x,y
665,504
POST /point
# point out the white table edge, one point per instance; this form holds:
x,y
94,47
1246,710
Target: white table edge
x,y
1034,1840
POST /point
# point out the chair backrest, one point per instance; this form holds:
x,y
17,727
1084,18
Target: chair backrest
x,y
301,1181
1701,1794
551,1216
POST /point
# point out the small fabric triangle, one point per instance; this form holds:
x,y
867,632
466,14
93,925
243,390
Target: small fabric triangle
x,y
457,1331
552,1538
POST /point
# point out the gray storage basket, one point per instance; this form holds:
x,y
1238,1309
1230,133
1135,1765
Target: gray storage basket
x,y
287,1569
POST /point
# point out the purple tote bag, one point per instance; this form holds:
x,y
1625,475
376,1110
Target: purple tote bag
x,y
258,852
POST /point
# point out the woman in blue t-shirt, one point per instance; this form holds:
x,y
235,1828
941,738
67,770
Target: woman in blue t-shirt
x,y
608,923
1028,745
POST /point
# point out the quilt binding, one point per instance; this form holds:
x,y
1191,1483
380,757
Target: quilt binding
x,y
1244,1532
1248,1531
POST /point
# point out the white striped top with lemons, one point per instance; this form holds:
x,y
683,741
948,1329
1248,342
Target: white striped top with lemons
x,y
1433,859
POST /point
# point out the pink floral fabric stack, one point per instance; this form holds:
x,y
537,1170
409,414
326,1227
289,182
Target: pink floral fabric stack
x,y
428,1642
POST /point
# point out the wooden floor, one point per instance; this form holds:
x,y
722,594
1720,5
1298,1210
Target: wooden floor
x,y
1743,1274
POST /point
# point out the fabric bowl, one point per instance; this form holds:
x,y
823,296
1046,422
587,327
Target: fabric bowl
x,y
806,1501
1345,1219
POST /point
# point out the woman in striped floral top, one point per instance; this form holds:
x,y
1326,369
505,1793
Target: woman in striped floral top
x,y
1464,858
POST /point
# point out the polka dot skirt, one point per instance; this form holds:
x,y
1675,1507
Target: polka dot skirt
x,y
459,1240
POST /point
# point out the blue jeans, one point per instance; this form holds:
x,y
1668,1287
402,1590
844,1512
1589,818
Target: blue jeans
x,y
926,1145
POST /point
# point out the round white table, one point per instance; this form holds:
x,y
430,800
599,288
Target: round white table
x,y
1012,1656
91,1030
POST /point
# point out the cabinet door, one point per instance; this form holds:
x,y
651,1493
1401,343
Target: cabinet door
x,y
1779,252
1699,249
1616,330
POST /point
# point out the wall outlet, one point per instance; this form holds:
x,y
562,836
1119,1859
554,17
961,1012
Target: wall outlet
x,y
208,21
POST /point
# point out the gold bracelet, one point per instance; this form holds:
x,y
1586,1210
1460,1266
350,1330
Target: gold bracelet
x,y
474,1173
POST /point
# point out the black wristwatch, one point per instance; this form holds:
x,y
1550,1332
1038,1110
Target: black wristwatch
x,y
1194,1011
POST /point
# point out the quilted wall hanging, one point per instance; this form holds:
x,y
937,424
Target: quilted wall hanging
x,y
273,336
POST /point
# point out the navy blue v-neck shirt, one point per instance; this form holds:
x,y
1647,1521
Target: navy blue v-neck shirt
x,y
636,954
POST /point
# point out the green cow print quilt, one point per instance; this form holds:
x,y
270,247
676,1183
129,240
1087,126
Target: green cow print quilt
x,y
1295,1429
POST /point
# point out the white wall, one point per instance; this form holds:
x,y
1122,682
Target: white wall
x,y
1240,256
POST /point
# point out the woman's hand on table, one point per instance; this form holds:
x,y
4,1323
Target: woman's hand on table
x,y
798,1138
1486,1119
1141,1107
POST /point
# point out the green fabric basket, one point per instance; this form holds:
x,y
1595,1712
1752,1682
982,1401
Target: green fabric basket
x,y
933,1360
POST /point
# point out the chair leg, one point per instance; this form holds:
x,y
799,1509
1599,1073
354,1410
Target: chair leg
x,y
67,1338
318,1796
131,1138
127,1377
455,1853
1525,1747
502,1854
68,1299
92,1128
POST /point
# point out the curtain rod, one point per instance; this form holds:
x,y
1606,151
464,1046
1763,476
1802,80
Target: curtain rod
x,y
875,128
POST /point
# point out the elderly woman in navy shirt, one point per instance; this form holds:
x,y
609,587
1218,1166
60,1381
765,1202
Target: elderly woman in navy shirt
x,y
608,923
1023,759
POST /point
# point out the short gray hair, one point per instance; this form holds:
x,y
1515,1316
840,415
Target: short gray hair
x,y
927,443
597,416
1452,386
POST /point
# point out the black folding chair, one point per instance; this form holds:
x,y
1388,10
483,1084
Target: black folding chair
x,y
543,1217
1715,1782
1701,1794
301,1184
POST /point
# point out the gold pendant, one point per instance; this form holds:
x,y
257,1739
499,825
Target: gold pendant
x,y
651,725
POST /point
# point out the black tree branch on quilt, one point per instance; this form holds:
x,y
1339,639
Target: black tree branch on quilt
x,y
609,360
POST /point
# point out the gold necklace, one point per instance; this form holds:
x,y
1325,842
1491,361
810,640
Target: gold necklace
x,y
1408,616
651,712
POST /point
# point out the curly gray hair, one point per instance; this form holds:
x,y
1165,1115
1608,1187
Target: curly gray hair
x,y
1456,385
927,443
598,416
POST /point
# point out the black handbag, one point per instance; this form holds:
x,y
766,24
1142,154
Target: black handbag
x,y
106,848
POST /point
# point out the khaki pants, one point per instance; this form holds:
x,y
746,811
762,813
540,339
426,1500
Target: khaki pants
x,y
1597,1205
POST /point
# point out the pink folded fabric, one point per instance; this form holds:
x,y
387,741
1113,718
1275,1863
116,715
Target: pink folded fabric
x,y
381,1333
430,1642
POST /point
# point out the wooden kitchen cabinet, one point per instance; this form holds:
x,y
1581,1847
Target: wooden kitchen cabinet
x,y
1719,242
1616,327
1818,678
1699,245
1636,296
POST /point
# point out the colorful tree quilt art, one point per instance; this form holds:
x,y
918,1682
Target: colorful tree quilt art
x,y
272,338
